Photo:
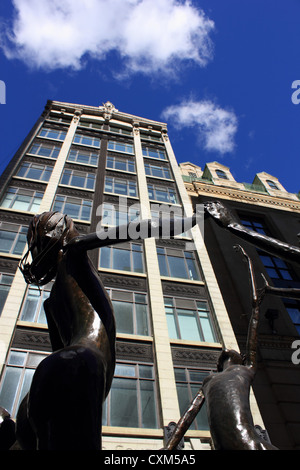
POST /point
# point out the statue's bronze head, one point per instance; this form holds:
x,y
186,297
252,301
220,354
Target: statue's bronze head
x,y
230,357
47,234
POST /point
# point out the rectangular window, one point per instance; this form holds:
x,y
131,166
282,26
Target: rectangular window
x,y
150,135
5,284
255,224
178,263
120,130
120,147
35,171
275,267
120,186
168,213
59,118
162,194
52,133
189,320
33,306
75,208
158,171
91,124
45,150
131,311
113,214
86,140
78,179
22,199
120,163
281,273
154,153
132,399
293,309
13,238
17,377
83,156
188,383
123,257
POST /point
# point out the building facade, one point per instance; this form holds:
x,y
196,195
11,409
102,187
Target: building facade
x,y
268,208
103,168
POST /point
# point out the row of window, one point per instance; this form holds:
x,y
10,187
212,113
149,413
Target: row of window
x,y
92,141
98,125
81,179
124,257
23,199
222,175
133,398
187,319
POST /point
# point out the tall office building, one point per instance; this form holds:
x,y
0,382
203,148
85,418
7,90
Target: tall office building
x,y
104,167
264,206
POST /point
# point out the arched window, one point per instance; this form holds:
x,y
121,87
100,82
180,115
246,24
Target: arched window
x,y
221,174
272,184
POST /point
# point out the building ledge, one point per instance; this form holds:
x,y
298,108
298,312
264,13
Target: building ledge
x,y
248,197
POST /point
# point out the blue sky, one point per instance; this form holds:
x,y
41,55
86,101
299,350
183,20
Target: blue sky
x,y
219,72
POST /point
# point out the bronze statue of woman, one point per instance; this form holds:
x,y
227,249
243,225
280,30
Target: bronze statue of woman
x,y
63,409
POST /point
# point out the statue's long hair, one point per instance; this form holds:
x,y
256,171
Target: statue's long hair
x,y
47,235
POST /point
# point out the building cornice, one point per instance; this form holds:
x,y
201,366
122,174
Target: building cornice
x,y
248,197
115,113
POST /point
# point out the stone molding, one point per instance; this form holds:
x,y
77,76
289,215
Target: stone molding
x,y
243,196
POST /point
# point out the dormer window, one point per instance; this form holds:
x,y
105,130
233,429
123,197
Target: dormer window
x,y
221,174
272,184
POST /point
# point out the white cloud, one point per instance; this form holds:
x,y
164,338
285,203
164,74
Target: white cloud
x,y
149,35
216,127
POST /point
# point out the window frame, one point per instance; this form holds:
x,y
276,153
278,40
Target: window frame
x,y
169,191
221,174
19,390
45,131
181,254
272,185
28,166
85,175
128,147
110,249
130,186
165,170
83,152
16,192
147,151
39,314
95,142
7,286
190,394
136,327
137,379
126,161
20,233
198,316
118,217
84,204
55,149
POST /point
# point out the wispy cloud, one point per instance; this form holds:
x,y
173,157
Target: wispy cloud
x,y
148,35
215,127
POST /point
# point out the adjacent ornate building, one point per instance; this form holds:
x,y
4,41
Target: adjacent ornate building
x,y
266,207
104,167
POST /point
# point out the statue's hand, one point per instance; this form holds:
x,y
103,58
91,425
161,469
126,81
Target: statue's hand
x,y
220,213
